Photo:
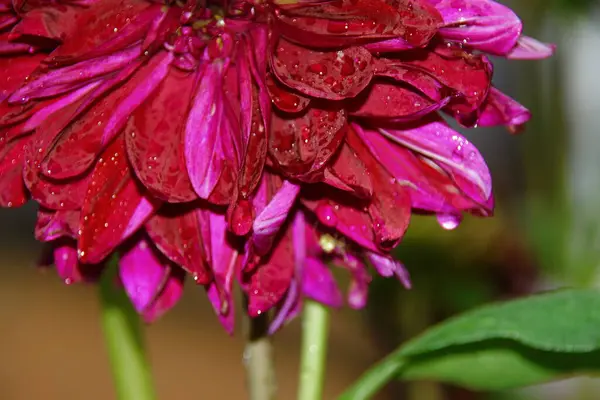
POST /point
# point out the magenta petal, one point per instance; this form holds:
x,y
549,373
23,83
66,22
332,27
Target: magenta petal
x,y
204,127
437,141
387,266
143,274
319,284
169,296
70,77
269,221
225,318
528,48
67,265
499,109
224,260
480,24
123,110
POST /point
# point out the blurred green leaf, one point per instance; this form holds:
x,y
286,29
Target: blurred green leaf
x,y
502,345
563,321
497,364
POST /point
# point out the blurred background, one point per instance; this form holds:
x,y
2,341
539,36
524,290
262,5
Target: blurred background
x,y
546,234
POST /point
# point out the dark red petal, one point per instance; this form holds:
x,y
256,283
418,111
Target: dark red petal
x,y
114,206
92,28
335,23
51,225
13,192
468,75
350,170
392,102
303,145
344,213
95,124
390,206
155,141
177,233
332,75
285,99
13,71
269,282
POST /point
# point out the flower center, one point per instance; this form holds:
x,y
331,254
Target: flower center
x,y
201,30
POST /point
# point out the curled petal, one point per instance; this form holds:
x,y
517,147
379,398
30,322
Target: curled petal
x,y
480,24
52,225
499,109
387,266
393,103
528,48
302,146
284,99
437,141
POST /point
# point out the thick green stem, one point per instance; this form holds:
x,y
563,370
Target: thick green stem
x,y
315,327
258,359
124,341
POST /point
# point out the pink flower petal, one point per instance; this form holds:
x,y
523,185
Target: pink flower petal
x,y
143,274
268,223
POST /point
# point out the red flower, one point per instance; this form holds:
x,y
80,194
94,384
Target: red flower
x,y
250,142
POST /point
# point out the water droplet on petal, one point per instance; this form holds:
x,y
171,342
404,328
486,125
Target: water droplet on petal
x,y
449,221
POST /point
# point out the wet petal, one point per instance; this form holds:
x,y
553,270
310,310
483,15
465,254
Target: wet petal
x,y
332,75
437,141
431,188
393,103
177,231
284,98
269,282
480,24
330,24
302,146
207,129
67,265
155,144
114,207
389,207
351,172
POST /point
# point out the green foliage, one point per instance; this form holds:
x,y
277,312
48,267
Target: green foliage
x,y
500,346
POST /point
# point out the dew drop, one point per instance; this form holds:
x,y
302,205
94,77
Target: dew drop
x,y
449,221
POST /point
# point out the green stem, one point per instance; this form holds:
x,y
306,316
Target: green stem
x,y
124,340
258,359
315,327
374,379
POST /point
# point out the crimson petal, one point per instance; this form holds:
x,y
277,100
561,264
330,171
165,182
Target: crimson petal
x,y
332,75
114,206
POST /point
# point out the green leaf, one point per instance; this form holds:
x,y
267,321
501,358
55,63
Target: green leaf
x,y
504,345
563,321
497,364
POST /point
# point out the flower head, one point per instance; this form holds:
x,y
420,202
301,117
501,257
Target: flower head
x,y
251,141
